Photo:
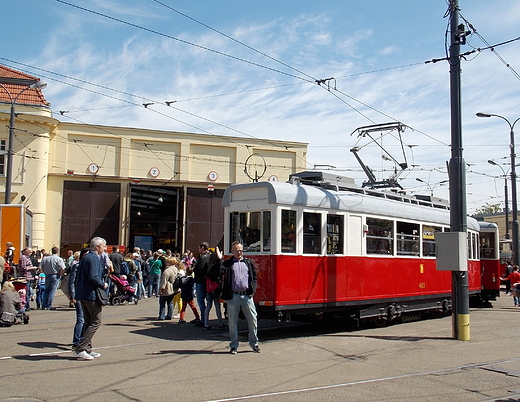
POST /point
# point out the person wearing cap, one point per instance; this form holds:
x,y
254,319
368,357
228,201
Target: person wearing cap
x,y
162,258
140,292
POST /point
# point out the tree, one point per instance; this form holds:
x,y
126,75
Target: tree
x,y
488,208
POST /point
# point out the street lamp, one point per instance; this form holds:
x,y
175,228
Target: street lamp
x,y
513,181
506,202
430,187
28,84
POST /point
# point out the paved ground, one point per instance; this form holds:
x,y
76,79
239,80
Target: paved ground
x,y
147,360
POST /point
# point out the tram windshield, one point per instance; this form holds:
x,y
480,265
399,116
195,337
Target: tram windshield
x,y
252,229
487,245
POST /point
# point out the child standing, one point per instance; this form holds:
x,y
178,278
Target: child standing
x,y
187,296
40,290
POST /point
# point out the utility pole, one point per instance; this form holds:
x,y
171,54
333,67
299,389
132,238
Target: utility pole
x,y
457,175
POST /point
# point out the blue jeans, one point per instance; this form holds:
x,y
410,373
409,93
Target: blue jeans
x,y
153,285
51,283
249,310
163,302
28,294
140,292
215,301
78,327
40,293
200,290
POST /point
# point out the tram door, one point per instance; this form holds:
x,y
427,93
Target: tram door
x,y
355,235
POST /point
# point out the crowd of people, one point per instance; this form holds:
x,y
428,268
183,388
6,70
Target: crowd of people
x,y
175,280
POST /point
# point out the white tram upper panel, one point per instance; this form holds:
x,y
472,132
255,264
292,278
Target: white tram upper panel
x,y
253,196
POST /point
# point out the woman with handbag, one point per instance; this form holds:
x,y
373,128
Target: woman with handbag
x,y
213,289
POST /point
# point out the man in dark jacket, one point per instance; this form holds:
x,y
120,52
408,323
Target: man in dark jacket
x,y
89,278
200,271
238,288
116,258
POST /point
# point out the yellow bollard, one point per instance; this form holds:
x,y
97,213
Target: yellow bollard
x,y
463,327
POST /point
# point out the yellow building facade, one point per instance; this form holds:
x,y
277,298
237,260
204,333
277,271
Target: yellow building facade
x,y
133,186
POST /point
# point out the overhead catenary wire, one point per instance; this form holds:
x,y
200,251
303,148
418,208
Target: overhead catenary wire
x,y
354,109
309,79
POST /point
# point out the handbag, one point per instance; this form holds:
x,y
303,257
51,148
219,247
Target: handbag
x,y
101,296
212,286
7,318
64,285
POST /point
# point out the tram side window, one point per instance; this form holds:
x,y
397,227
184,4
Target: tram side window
x,y
428,240
252,229
487,245
335,230
380,236
407,238
288,231
311,233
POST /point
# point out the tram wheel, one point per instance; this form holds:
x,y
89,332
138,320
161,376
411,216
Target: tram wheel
x,y
379,322
436,313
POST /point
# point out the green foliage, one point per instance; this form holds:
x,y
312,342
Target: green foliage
x,y
488,208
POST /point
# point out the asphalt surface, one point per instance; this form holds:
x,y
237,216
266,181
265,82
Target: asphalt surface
x,y
143,359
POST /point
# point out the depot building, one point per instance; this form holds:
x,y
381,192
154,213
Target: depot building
x,y
132,186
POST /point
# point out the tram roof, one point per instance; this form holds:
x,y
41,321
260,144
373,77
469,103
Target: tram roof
x,y
349,199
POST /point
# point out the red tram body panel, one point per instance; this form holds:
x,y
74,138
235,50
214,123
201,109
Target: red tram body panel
x,y
322,245
325,280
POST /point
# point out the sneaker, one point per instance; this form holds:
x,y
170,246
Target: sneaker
x,y
83,355
233,351
222,325
176,316
256,349
195,321
95,354
182,322
199,324
208,327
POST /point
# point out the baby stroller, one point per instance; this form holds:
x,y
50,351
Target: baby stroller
x,y
6,318
121,291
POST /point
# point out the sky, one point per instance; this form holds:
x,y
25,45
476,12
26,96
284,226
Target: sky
x,y
290,70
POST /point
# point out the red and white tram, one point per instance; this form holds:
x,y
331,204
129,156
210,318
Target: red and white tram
x,y
490,260
321,244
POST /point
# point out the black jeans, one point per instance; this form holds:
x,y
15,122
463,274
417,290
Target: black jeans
x,y
92,314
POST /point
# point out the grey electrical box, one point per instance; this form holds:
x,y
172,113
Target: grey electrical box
x,y
451,251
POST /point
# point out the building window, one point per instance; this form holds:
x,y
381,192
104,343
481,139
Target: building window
x,y
3,155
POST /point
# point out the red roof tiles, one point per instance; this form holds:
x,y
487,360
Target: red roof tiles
x,y
28,97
